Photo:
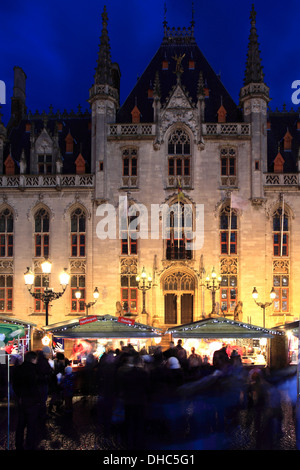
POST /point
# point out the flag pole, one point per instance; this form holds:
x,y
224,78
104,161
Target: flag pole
x,y
229,233
282,222
178,204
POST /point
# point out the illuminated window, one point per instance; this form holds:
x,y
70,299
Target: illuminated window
x,y
77,283
280,233
281,287
228,231
129,292
228,293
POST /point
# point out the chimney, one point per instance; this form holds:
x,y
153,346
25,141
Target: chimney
x,y
18,106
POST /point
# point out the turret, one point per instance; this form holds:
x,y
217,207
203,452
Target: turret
x,y
104,101
254,98
2,140
18,100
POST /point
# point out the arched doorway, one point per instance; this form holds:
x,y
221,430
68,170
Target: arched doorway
x,y
179,293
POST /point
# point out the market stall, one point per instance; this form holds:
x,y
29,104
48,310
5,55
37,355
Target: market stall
x,y
19,344
291,332
8,333
84,338
251,342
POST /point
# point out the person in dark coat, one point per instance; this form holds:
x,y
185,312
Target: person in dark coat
x,y
45,372
55,387
68,389
133,385
25,386
171,351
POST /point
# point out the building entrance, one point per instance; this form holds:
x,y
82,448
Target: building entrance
x,y
179,291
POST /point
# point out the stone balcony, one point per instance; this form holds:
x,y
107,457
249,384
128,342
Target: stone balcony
x,y
225,129
47,181
276,180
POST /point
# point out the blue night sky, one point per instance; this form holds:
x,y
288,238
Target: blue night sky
x,y
56,43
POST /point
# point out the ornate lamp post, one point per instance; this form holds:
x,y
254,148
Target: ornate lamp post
x,y
265,304
213,284
142,286
88,305
48,295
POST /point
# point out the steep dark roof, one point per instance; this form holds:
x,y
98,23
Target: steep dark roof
x,y
280,123
217,92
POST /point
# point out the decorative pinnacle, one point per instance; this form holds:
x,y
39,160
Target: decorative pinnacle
x,y
103,70
254,72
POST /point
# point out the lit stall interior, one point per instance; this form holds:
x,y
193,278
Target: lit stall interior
x,y
94,335
211,334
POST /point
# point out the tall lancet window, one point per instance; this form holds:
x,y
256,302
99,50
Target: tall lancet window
x,y
179,158
228,231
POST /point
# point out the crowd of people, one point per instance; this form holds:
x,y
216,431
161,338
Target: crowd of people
x,y
34,381
137,388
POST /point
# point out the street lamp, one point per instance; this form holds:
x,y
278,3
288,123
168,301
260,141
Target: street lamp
x,y
141,280
265,304
213,284
88,305
48,295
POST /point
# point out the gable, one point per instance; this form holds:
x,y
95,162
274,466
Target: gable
x,y
178,100
43,143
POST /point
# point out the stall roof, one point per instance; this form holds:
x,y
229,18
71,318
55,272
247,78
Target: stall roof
x,y
101,326
292,326
17,321
220,327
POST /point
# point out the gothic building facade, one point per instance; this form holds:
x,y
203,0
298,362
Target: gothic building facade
x,y
178,140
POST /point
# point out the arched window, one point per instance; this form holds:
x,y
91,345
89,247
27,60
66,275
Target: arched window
x,y
179,227
228,166
41,233
228,231
77,283
179,158
78,233
280,233
6,233
281,262
129,168
129,227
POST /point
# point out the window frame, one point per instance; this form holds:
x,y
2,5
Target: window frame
x,y
76,304
228,288
280,299
78,237
276,233
130,288
224,231
8,291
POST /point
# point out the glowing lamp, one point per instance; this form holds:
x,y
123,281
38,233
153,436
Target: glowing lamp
x,y
64,278
96,293
29,277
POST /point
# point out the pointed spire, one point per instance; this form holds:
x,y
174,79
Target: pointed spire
x,y
200,89
156,88
103,71
254,70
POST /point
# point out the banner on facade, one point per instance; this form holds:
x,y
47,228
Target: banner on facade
x,y
128,321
